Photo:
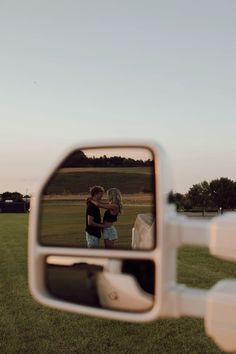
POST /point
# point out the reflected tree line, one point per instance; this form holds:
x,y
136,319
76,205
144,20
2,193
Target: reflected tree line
x,y
217,195
79,159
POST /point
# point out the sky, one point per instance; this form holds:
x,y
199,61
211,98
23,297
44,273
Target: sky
x,y
75,71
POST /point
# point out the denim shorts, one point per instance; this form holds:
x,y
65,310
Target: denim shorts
x,y
110,233
92,241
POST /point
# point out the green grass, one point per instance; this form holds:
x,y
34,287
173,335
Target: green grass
x,y
26,327
196,268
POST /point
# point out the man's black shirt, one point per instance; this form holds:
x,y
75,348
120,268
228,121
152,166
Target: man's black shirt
x,y
93,211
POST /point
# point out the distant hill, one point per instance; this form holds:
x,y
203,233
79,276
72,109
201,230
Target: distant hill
x,y
128,180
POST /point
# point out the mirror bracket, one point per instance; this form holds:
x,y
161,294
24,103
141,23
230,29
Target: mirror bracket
x,y
220,319
183,231
218,234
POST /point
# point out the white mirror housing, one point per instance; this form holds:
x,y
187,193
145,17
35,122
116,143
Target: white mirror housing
x,y
223,236
217,306
38,252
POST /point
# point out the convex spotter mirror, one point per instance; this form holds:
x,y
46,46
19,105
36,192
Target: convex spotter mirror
x,y
101,198
101,282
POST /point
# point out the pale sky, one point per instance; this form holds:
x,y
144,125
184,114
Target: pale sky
x,y
75,70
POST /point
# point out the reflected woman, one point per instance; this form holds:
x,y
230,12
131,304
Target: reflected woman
x,y
113,209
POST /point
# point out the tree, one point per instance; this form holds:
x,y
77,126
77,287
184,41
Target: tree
x,y
199,195
6,196
177,198
15,196
219,193
223,193
234,196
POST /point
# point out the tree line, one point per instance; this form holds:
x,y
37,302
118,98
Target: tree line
x,y
79,159
219,194
14,196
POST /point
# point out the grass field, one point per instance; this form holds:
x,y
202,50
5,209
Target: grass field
x,y
26,327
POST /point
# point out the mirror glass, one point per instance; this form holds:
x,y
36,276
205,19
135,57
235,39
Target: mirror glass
x,y
115,284
101,198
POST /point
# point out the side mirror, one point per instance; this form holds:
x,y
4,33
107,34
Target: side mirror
x,y
95,226
114,255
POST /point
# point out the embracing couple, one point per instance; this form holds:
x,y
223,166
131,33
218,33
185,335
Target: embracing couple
x,y
94,227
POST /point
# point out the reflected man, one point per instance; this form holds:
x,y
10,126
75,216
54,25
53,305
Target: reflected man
x,y
93,217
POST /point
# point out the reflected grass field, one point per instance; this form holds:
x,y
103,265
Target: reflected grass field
x,y
63,220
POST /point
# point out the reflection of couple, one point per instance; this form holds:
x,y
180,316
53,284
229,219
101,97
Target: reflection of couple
x,y
94,226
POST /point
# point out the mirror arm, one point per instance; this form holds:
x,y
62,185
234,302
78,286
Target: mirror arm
x,y
220,319
193,302
218,234
217,306
223,236
181,231
185,301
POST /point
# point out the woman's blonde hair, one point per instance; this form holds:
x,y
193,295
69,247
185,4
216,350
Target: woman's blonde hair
x,y
114,196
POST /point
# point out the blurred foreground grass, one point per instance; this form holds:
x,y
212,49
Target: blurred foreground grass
x,y
27,327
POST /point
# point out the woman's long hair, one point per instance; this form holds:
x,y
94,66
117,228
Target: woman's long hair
x,y
114,196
